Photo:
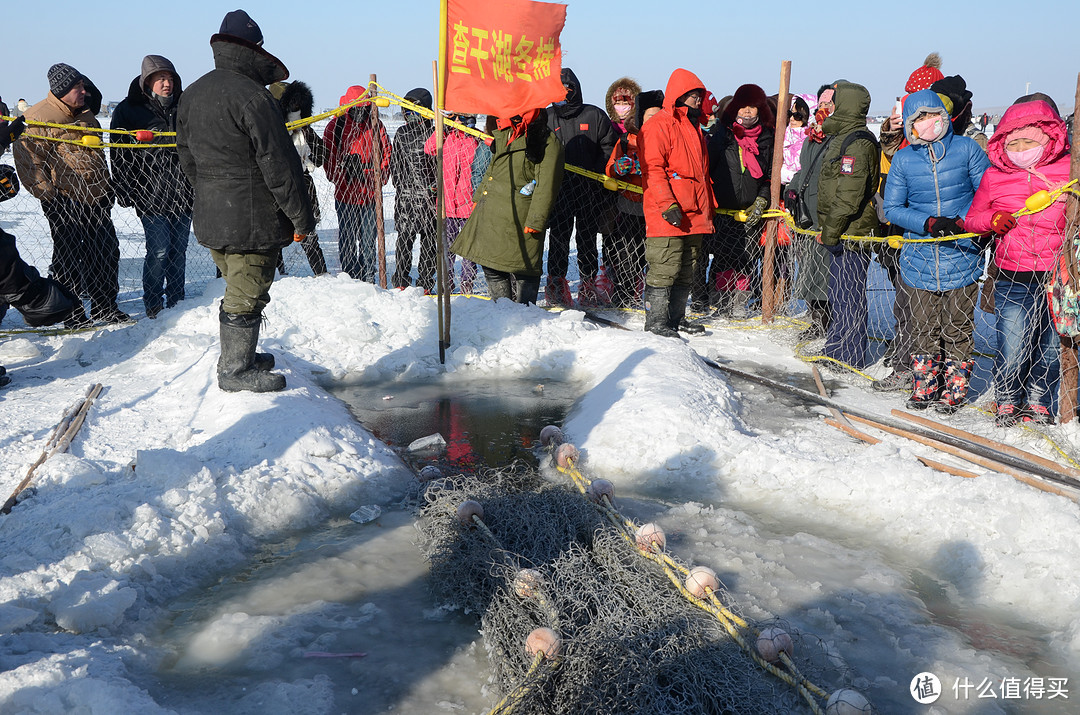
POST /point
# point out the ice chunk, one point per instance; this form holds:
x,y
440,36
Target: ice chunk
x,y
431,443
364,514
92,601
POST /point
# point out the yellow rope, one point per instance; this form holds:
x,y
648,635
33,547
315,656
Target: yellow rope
x,y
515,698
712,605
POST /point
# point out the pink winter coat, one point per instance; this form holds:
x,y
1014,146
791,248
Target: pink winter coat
x,y
458,152
1036,240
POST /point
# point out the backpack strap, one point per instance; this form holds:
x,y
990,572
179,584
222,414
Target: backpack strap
x,y
855,136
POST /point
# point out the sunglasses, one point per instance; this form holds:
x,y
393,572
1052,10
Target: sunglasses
x,y
622,99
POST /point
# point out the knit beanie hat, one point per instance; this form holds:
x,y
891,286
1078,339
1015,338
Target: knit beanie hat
x,y
239,24
925,75
62,78
1031,132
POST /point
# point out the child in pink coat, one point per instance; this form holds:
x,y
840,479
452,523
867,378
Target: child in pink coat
x,y
1029,152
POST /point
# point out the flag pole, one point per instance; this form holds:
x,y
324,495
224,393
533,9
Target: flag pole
x,y
442,290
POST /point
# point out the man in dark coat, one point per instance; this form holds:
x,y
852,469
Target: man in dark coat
x,y
250,197
42,301
588,139
152,181
414,201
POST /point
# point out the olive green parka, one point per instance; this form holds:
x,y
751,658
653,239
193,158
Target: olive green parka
x,y
494,235
848,183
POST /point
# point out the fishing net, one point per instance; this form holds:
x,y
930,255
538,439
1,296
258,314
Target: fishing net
x,y
542,556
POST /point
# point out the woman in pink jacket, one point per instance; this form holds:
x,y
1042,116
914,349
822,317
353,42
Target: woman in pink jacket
x,y
1029,152
459,149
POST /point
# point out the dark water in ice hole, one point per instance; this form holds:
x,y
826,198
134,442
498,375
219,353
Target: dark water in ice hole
x,y
345,587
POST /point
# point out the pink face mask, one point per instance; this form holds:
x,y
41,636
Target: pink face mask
x,y
1027,158
930,128
623,110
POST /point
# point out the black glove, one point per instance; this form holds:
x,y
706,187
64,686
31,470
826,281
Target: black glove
x,y
753,214
9,182
674,215
10,131
938,226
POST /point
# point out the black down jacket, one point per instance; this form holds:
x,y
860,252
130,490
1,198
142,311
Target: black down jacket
x,y
249,185
42,301
151,180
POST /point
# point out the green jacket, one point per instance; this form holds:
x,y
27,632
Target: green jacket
x,y
848,183
494,234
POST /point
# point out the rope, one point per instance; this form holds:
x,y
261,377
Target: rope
x,y
712,605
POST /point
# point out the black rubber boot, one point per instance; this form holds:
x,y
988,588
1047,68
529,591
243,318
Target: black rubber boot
x,y
236,367
677,312
658,311
498,287
528,288
262,361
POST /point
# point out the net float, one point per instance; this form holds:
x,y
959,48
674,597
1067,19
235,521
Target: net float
x,y
467,510
543,640
701,580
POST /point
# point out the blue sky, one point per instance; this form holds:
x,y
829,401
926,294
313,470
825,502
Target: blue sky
x,y
332,45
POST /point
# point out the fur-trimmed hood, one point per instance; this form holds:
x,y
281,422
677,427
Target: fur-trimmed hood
x,y
626,83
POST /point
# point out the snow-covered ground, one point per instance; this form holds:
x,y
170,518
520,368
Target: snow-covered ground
x,y
173,486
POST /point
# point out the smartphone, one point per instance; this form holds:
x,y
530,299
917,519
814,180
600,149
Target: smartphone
x,y
899,107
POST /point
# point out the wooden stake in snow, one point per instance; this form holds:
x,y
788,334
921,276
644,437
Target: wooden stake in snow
x,y
1067,389
376,158
768,276
59,440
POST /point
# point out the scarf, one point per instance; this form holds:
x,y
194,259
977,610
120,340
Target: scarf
x,y
748,147
517,130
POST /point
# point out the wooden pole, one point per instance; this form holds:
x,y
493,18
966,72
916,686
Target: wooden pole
x,y
1069,368
986,442
441,283
768,277
376,157
974,458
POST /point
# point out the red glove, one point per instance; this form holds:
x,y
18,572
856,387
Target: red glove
x,y
530,230
1002,222
298,237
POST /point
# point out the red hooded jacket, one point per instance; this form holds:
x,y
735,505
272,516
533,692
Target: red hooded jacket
x,y
675,165
1035,242
349,153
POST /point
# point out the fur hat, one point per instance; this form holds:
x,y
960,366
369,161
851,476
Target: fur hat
x,y
62,78
239,24
749,95
646,100
926,74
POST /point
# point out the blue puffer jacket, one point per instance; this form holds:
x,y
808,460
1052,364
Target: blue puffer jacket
x,y
934,179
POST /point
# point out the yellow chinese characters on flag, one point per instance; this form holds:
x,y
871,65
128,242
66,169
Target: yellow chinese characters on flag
x,y
502,58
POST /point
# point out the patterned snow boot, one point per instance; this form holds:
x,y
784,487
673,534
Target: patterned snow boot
x,y
954,392
926,381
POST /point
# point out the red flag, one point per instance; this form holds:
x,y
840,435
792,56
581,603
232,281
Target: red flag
x,y
502,58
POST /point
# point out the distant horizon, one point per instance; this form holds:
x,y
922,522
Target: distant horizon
x,y
335,49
